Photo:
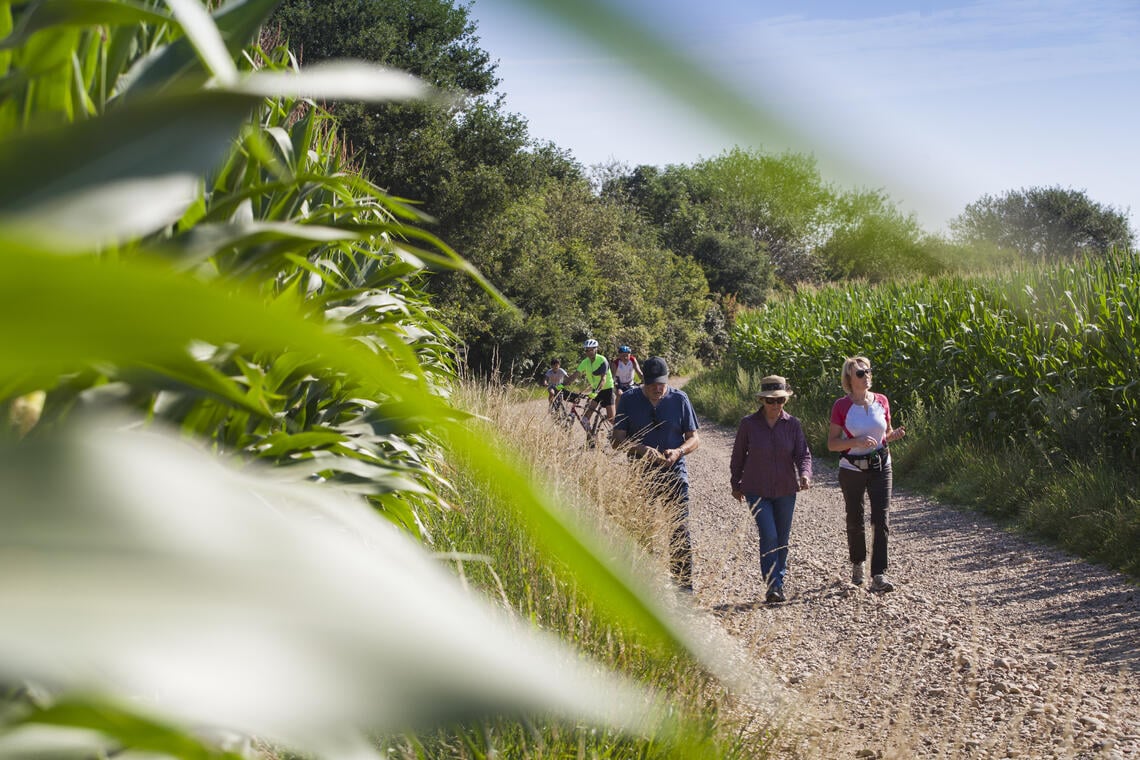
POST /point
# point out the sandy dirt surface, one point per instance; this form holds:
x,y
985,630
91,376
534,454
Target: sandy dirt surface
x,y
991,646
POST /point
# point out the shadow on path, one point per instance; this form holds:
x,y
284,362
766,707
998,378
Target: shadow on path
x,y
1094,612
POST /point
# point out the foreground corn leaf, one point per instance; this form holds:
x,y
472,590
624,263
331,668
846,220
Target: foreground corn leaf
x,y
89,727
64,293
237,22
60,13
127,173
137,168
207,40
139,567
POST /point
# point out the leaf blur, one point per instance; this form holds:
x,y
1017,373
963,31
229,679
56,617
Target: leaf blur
x,y
186,242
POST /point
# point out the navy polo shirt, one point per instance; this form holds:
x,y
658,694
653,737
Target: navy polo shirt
x,y
661,427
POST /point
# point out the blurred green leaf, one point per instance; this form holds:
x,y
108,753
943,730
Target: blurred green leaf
x,y
336,80
292,611
126,173
126,727
48,14
200,30
177,63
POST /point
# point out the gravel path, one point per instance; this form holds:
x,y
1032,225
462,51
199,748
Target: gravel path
x,y
991,646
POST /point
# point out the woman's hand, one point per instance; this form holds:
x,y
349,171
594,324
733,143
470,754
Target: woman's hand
x,y
805,484
895,434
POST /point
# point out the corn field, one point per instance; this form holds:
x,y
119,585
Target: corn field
x,y
1047,357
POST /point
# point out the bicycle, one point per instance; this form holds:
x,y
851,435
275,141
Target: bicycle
x,y
569,408
558,407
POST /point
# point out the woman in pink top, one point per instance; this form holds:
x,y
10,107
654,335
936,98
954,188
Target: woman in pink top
x,y
861,429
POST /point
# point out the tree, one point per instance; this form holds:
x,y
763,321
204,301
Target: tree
x,y
433,39
871,239
1043,223
779,201
673,202
575,266
735,266
405,148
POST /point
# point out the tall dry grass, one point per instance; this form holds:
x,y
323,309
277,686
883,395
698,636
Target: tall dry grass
x,y
609,498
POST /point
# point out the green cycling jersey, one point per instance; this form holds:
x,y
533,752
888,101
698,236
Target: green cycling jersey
x,y
597,372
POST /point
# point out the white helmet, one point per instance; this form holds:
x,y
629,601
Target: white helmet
x,y
590,343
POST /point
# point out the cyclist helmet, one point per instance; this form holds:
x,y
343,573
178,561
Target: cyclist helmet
x,y
590,343
623,350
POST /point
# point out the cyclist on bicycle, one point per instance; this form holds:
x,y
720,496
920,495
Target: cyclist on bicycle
x,y
625,369
596,370
554,378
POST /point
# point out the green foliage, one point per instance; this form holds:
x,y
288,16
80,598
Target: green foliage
x,y
872,240
779,201
576,267
734,265
227,273
1044,223
757,222
1045,354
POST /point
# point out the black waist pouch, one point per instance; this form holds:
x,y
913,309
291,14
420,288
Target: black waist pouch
x,y
876,461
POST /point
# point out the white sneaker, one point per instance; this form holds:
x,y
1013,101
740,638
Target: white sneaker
x,y
880,583
857,574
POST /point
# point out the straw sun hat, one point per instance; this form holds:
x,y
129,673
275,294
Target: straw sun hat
x,y
774,386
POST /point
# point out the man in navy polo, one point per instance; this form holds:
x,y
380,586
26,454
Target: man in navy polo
x,y
658,424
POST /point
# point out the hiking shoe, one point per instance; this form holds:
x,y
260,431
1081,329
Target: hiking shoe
x,y
880,583
775,596
857,574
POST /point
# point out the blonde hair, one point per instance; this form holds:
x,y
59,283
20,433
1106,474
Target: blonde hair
x,y
848,367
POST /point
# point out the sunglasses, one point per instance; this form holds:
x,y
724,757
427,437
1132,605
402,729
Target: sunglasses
x,y
779,400
861,373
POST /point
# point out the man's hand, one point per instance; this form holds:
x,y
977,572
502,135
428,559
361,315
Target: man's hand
x,y
805,484
738,495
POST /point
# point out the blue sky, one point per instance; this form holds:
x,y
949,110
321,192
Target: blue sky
x,y
937,103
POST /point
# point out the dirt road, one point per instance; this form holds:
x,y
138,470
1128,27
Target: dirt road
x,y
991,646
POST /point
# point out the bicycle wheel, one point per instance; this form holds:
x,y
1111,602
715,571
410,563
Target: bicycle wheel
x,y
603,430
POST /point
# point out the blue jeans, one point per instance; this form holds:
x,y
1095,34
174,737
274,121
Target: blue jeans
x,y
774,521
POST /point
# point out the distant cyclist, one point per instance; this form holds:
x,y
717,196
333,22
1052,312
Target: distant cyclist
x,y
554,378
596,369
625,370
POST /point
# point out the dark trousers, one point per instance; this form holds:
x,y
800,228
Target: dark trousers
x,y
675,490
876,485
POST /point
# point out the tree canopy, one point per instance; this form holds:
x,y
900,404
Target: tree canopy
x,y
1044,223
